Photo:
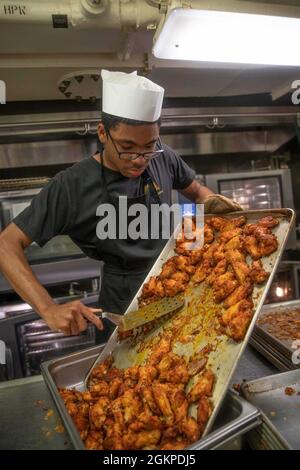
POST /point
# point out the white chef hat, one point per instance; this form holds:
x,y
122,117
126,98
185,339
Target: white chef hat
x,y
131,96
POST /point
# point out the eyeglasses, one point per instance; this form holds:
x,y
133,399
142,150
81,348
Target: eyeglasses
x,y
129,156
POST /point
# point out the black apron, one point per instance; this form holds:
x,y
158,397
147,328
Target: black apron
x,y
122,279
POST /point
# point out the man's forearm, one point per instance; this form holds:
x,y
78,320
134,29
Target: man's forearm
x,y
203,193
16,269
196,192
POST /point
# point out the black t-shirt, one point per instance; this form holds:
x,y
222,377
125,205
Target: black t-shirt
x,y
67,204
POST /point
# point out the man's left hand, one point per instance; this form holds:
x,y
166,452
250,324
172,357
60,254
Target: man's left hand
x,y
217,204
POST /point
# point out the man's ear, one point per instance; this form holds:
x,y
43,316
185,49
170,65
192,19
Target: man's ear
x,y
102,133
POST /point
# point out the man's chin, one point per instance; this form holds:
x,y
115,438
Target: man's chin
x,y
133,173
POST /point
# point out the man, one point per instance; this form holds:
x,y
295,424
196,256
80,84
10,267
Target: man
x,y
132,162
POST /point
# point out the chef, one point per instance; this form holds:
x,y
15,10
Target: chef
x,y
132,162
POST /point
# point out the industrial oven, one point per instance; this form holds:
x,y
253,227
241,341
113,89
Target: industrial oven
x,y
66,273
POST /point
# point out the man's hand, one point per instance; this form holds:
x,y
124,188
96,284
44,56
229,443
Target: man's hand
x,y
71,318
217,204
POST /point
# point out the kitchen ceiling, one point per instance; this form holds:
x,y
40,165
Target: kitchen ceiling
x,y
34,57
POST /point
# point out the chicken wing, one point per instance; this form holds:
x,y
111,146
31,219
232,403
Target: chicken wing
x,y
257,273
132,405
237,309
268,243
140,440
216,222
238,262
219,269
250,244
153,288
203,412
163,403
173,286
190,429
227,235
224,285
203,387
169,268
161,348
180,405
241,292
268,222
82,424
94,441
234,243
230,224
175,444
238,326
98,412
202,271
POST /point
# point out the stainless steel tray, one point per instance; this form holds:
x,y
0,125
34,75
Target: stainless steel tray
x,y
235,418
281,412
270,354
261,335
224,359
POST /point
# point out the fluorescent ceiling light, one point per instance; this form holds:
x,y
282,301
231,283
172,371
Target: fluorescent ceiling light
x,y
217,36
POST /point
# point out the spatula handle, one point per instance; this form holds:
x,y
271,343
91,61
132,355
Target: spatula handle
x,y
113,317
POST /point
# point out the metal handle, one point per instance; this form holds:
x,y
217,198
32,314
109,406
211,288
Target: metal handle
x,y
9,364
113,317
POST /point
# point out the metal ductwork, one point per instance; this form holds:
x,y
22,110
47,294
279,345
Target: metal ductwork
x,y
60,138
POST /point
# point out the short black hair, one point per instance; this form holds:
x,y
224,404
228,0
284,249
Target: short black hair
x,y
111,122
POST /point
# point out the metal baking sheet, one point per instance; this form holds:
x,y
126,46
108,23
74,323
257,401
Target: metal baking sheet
x,y
270,355
281,411
256,340
263,336
235,418
266,437
226,354
199,314
273,351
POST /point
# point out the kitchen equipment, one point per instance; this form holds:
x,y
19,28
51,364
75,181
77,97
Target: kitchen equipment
x,y
145,314
278,397
225,353
278,351
235,418
29,341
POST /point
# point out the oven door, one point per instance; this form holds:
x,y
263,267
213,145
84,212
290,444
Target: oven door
x,y
28,341
37,343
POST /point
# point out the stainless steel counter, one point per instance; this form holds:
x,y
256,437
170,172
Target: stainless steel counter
x,y
29,419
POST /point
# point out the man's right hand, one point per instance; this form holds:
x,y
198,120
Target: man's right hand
x,y
71,318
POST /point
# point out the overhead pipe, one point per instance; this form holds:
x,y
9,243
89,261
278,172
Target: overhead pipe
x,y
127,15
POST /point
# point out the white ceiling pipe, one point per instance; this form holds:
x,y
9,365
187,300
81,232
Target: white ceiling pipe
x,y
32,11
37,12
109,14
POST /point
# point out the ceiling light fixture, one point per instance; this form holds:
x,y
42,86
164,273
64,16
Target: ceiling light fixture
x,y
227,37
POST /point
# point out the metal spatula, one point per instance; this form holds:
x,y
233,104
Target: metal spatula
x,y
137,318
145,314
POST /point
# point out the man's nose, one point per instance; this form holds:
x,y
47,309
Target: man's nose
x,y
140,160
